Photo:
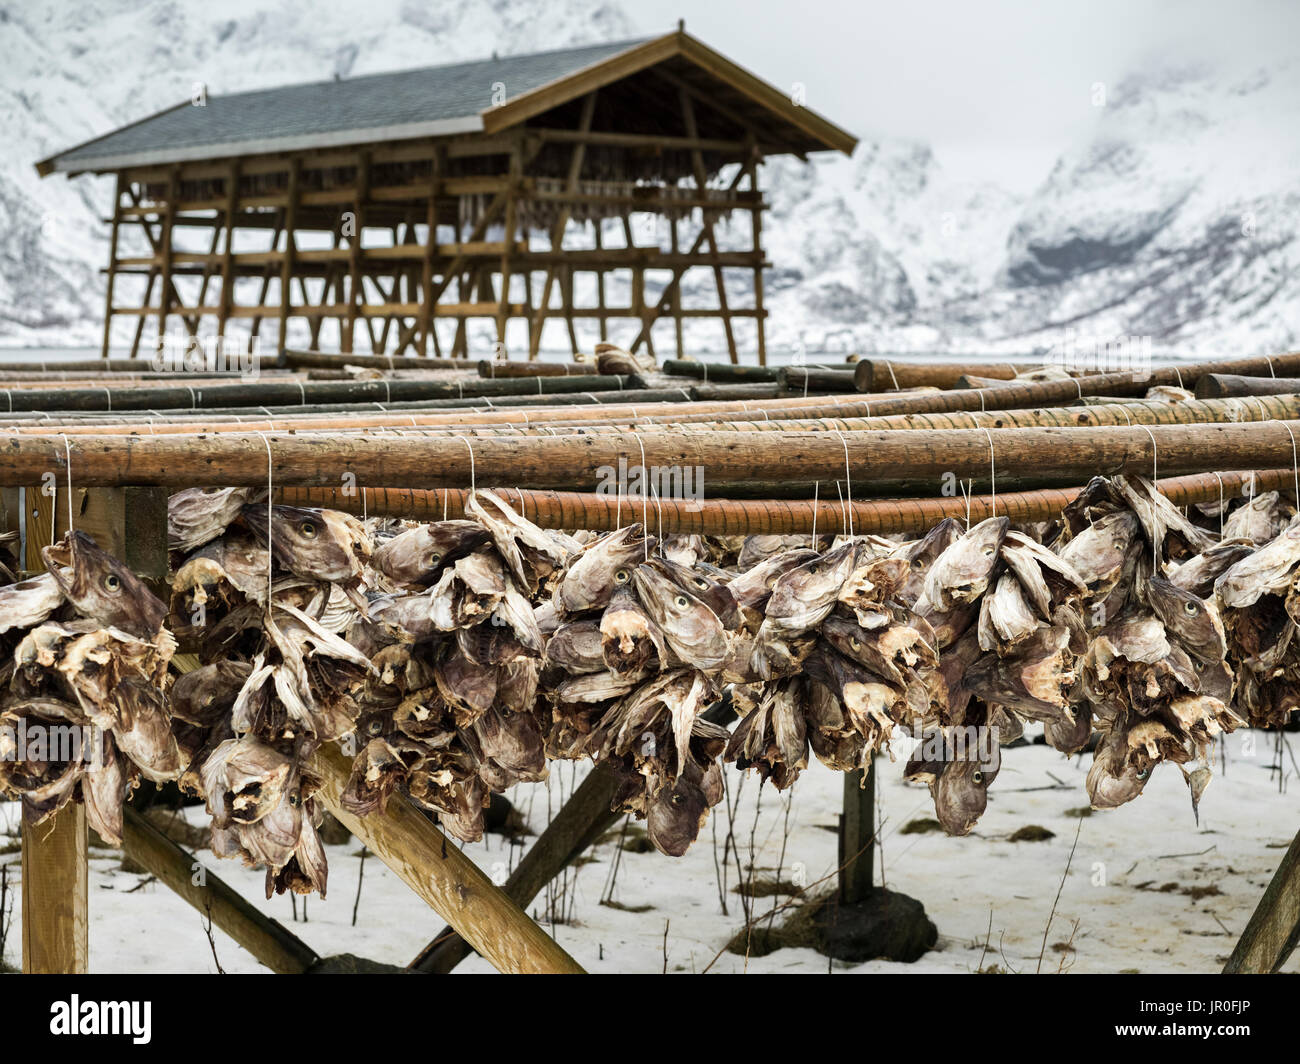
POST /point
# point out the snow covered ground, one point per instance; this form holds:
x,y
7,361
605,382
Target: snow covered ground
x,y
1148,889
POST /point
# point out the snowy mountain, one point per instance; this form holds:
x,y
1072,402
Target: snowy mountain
x,y
1176,221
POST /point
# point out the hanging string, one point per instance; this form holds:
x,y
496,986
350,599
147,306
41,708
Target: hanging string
x,y
890,366
993,478
1220,480
1155,547
67,450
1295,461
1270,367
848,481
645,502
844,514
473,483
270,465
814,520
1179,376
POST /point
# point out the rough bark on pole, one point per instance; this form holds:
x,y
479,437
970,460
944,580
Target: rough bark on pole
x,y
453,885
1273,931
858,836
324,360
266,939
580,462
288,392
499,368
601,513
881,374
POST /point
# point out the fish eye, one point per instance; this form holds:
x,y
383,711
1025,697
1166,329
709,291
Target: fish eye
x,y
622,576
307,528
295,799
433,559
677,798
1190,608
814,568
917,563
700,582
977,776
1143,774
112,581
682,601
988,552
208,699
853,642
376,727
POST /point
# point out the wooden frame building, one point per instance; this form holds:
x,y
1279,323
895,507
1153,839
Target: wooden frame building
x,y
395,202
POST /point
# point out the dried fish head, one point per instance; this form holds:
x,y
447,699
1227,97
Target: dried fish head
x,y
630,641
312,543
593,574
418,555
1191,620
103,588
690,628
196,516
965,568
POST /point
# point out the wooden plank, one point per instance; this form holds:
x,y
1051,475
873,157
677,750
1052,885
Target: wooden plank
x,y
448,881
1273,931
266,939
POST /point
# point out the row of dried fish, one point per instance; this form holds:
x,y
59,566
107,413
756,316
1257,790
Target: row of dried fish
x,y
454,658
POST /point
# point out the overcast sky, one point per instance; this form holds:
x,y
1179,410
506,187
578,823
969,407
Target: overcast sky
x,y
998,87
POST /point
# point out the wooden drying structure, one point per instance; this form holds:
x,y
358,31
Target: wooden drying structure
x,y
112,471
395,203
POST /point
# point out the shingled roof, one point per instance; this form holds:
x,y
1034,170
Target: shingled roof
x,y
429,102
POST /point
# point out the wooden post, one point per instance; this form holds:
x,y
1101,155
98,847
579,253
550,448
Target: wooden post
x,y
508,246
756,214
228,258
55,873
169,218
701,183
349,336
290,246
857,836
112,264
436,166
1274,928
561,223
677,303
453,885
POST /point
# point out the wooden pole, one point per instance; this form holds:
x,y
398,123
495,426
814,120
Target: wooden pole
x,y
600,513
857,836
290,249
1220,385
266,939
268,392
56,883
883,374
925,459
112,265
1273,931
453,885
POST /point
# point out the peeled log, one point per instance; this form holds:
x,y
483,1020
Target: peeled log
x,y
883,374
1224,385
